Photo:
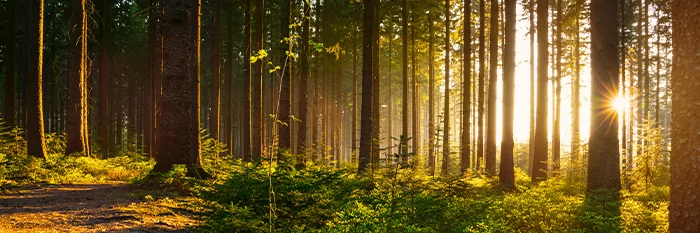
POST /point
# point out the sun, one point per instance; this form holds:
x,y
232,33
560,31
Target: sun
x,y
620,103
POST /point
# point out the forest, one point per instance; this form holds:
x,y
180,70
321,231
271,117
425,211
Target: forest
x,y
350,116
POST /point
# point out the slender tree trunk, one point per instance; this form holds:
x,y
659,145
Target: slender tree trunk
x,y
446,118
556,134
404,73
531,141
375,84
506,175
354,99
414,85
539,171
257,83
285,95
247,89
604,157
215,115
431,101
367,76
493,82
104,88
482,71
685,177
303,84
390,104
77,81
466,85
9,107
35,118
576,93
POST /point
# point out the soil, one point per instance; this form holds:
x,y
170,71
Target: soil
x,y
111,207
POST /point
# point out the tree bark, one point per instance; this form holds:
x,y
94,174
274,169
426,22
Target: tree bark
x,y
303,82
466,89
556,134
367,76
77,141
604,160
9,107
482,71
35,115
539,171
531,140
215,115
431,101
446,109
506,175
414,85
404,97
104,88
257,84
285,95
685,175
490,160
247,89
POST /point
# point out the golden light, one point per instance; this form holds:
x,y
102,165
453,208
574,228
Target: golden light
x,y
620,104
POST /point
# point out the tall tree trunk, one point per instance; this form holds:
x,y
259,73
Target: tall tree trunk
x,y
640,81
375,84
685,177
9,107
367,76
431,101
77,81
414,85
193,162
390,96
353,131
285,95
576,93
104,88
247,89
466,91
446,119
506,175
404,97
539,165
531,140
35,119
303,82
215,115
257,83
604,157
482,71
490,161
556,134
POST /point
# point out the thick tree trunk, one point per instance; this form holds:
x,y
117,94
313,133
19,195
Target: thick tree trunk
x,y
506,175
604,160
446,109
9,107
365,156
685,175
539,165
466,89
490,160
77,141
35,118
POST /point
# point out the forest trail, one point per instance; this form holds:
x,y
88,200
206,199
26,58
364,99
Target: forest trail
x,y
108,207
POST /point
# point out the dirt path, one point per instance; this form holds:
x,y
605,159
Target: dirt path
x,y
115,207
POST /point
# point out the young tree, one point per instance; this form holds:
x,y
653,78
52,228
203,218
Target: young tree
x,y
77,131
539,164
446,113
604,160
506,175
35,113
490,160
215,115
685,175
9,107
466,88
367,65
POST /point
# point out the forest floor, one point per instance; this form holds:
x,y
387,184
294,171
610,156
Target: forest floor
x,y
104,207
